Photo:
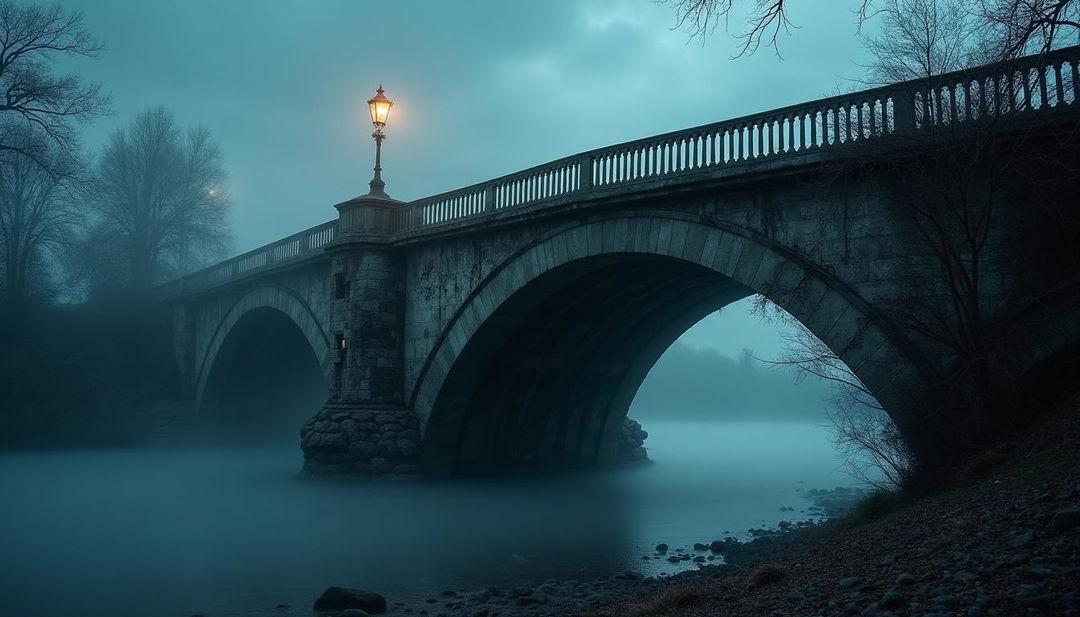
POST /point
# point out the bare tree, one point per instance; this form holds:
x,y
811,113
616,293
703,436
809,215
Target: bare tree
x,y
159,199
1011,27
1021,27
37,212
873,449
31,38
919,38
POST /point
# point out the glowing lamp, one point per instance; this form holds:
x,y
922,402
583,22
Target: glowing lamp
x,y
379,108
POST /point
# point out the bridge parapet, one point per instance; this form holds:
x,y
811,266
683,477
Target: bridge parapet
x,y
1034,86
297,246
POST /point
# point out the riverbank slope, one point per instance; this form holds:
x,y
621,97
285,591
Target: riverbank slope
x,y
1005,544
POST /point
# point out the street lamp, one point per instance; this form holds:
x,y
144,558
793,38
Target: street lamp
x,y
379,108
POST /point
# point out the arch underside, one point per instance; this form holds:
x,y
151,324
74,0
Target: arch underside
x,y
264,382
267,297
539,368
548,378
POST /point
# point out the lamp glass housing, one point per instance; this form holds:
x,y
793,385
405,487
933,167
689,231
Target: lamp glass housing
x,y
379,108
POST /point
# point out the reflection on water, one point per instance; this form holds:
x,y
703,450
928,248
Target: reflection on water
x,y
237,531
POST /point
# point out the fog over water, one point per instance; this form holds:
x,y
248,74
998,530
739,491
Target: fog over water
x,y
237,532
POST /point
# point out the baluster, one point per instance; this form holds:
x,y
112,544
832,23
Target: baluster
x,y
1043,97
1075,79
1011,85
937,106
967,100
982,104
1060,87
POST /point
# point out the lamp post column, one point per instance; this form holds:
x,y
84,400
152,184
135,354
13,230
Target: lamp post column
x,y
364,427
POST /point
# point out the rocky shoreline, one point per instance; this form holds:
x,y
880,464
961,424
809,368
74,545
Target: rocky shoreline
x,y
1008,544
1005,547
561,597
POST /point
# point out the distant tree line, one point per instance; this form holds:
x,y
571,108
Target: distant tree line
x,y
84,239
106,226
689,383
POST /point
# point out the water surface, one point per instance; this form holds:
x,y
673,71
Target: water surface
x,y
236,532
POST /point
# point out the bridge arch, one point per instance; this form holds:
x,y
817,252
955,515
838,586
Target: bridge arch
x,y
278,299
544,358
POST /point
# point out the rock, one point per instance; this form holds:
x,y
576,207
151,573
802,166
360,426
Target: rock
x,y
717,546
892,599
341,598
352,612
887,561
1022,538
1023,592
1066,519
905,578
1037,573
849,583
661,548
698,546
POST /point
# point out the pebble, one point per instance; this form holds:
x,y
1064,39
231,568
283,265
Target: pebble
x,y
849,583
905,578
892,599
1066,519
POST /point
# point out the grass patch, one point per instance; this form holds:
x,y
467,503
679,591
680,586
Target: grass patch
x,y
661,603
874,506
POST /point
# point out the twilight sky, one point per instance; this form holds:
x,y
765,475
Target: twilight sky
x,y
481,87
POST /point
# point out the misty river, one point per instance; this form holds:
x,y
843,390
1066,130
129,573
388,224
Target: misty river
x,y
237,532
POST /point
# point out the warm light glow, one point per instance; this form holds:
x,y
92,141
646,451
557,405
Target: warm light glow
x,y
379,108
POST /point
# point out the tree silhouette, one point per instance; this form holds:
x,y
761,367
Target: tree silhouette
x,y
31,38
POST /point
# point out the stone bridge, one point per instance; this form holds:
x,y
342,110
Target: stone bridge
x,y
511,322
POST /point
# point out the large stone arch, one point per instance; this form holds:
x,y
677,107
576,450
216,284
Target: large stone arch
x,y
706,262
272,297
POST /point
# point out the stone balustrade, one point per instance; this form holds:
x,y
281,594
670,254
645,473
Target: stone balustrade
x,y
1017,89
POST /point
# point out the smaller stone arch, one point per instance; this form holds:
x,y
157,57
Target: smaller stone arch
x,y
273,297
